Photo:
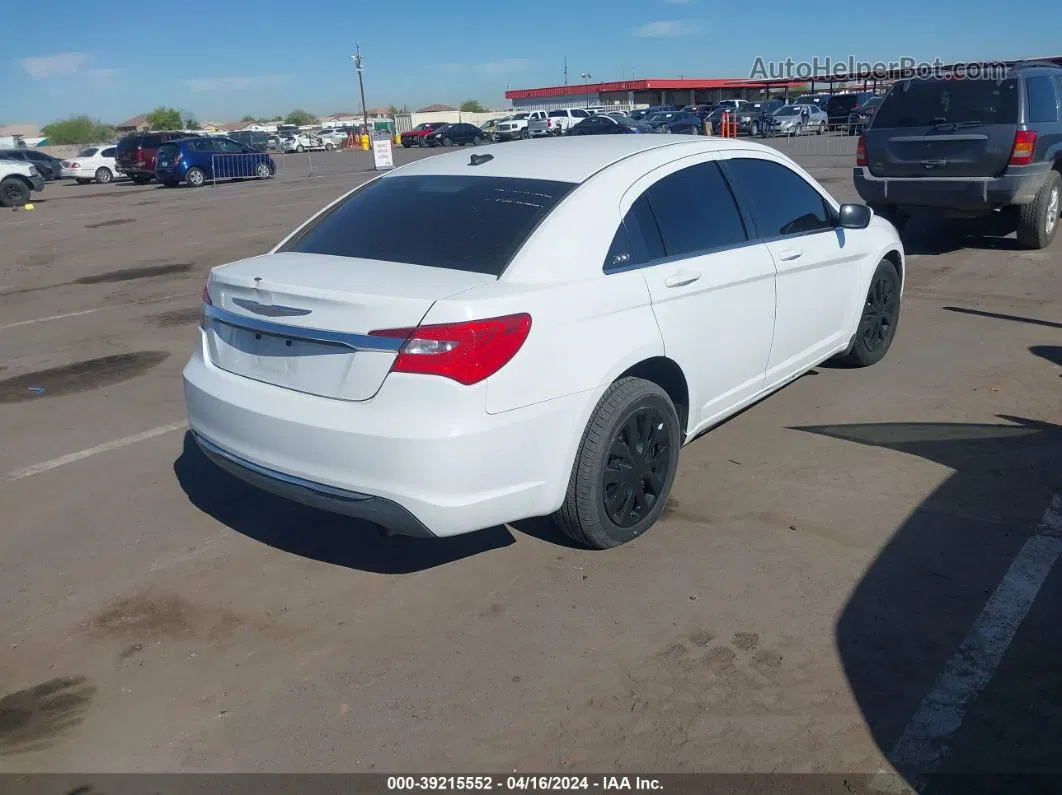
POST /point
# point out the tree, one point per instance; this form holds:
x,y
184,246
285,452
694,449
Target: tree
x,y
191,123
471,106
300,117
163,118
248,118
77,130
392,111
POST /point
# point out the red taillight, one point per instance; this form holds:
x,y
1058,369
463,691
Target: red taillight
x,y
207,301
549,122
465,352
75,165
861,151
1024,144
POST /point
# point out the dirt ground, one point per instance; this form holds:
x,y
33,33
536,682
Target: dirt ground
x,y
822,557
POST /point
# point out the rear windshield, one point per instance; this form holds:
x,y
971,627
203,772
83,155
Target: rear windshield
x,y
921,103
88,152
150,142
128,144
463,223
169,150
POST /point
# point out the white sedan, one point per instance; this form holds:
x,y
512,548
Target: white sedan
x,y
95,163
466,341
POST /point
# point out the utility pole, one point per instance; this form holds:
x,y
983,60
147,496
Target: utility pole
x,y
361,83
586,86
565,70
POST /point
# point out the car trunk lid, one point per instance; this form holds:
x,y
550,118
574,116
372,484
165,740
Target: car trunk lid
x,y
301,321
944,128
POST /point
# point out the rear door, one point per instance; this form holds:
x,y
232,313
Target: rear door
x,y
944,128
712,290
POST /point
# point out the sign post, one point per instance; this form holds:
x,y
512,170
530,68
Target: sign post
x,y
382,157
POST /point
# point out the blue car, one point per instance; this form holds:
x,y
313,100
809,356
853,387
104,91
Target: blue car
x,y
196,161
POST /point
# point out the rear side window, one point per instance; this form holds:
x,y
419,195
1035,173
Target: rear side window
x,y
110,152
637,241
465,223
556,114
781,201
695,211
923,103
1043,106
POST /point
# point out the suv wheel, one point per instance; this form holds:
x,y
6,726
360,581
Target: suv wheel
x,y
1038,221
625,466
13,192
262,171
140,179
195,177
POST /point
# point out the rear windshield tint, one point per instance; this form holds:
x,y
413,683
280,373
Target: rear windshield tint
x,y
921,103
169,150
463,223
150,142
128,144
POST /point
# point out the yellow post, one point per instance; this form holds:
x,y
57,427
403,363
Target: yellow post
x,y
398,138
365,142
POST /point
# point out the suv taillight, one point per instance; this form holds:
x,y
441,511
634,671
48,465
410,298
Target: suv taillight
x,y
861,151
1024,144
465,352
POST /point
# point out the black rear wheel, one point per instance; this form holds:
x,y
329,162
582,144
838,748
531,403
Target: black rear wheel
x,y
625,466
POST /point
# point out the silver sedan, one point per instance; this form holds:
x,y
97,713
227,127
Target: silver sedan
x,y
797,119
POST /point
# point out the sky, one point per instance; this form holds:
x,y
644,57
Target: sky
x,y
221,61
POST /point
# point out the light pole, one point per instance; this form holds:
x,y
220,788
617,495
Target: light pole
x,y
357,59
586,86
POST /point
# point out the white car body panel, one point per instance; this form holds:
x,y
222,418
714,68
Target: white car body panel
x,y
459,458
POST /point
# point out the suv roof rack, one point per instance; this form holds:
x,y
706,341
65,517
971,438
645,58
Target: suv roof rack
x,y
1037,62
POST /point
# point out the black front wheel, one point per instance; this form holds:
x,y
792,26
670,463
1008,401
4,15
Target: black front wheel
x,y
625,466
881,315
14,192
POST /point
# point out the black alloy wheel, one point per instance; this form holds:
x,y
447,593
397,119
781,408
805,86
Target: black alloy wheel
x,y
878,324
636,467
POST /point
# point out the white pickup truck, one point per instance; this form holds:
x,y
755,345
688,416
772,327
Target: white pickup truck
x,y
557,122
516,127
17,180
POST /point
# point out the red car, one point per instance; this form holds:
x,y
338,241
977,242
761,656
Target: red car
x,y
418,136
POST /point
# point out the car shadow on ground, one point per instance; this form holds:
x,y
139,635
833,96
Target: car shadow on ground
x,y
315,534
930,583
929,235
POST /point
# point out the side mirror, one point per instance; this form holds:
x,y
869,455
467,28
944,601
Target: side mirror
x,y
854,216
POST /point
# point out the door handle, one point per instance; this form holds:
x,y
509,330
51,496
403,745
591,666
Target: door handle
x,y
789,254
682,278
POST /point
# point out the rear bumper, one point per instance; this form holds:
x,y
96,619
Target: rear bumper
x,y
962,194
445,470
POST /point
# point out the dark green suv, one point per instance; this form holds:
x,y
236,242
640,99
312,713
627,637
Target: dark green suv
x,y
968,148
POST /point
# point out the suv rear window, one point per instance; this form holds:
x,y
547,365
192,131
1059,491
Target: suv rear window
x,y
150,142
169,150
921,103
129,144
464,223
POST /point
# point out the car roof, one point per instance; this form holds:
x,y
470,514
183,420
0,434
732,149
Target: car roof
x,y
563,159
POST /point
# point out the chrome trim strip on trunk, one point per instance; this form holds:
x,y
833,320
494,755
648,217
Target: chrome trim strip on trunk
x,y
357,342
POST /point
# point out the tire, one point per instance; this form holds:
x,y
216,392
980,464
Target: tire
x,y
170,183
80,181
1038,221
423,142
195,177
329,147
103,175
585,515
14,192
262,171
447,142
405,145
821,128
524,135
477,140
300,149
754,130
879,318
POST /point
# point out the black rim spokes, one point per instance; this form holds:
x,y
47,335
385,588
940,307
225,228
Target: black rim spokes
x,y
878,314
636,467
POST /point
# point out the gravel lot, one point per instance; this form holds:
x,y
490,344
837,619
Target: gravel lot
x,y
820,562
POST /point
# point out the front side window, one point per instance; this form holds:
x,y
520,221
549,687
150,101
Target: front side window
x,y
466,223
781,201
